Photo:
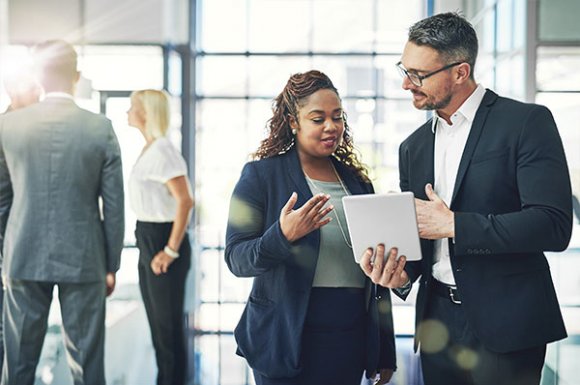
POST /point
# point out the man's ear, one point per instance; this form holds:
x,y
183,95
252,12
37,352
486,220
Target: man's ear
x,y
463,72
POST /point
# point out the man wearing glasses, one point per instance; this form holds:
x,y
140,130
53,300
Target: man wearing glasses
x,y
492,194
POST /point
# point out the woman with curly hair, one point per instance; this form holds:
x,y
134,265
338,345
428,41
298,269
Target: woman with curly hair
x,y
312,316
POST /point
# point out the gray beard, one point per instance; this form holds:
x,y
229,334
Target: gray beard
x,y
437,106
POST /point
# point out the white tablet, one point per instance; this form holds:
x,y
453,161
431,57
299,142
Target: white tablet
x,y
383,218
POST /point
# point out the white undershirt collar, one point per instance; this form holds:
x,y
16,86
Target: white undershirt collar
x,y
468,109
64,95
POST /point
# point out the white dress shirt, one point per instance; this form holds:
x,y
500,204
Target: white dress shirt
x,y
450,140
150,198
63,95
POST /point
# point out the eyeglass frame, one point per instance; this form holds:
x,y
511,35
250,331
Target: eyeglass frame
x,y
404,72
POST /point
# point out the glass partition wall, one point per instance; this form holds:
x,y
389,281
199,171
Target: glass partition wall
x,y
530,51
557,85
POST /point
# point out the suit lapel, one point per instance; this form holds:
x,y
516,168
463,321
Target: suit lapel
x,y
422,162
351,182
297,176
473,139
429,152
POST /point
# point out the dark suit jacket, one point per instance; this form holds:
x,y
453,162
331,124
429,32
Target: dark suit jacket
x,y
269,331
512,201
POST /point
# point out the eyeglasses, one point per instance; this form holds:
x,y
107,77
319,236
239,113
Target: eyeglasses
x,y
417,79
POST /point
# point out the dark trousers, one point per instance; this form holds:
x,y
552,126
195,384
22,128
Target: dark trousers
x,y
26,309
163,297
333,340
451,354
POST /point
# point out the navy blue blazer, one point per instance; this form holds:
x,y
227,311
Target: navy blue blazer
x,y
270,329
512,201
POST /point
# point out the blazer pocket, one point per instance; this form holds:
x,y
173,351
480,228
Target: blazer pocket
x,y
524,268
255,330
489,155
260,301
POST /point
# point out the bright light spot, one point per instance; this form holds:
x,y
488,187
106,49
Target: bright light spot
x,y
17,63
242,214
384,307
466,358
46,375
433,335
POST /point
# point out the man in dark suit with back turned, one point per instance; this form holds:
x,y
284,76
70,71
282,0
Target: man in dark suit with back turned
x,y
492,194
57,162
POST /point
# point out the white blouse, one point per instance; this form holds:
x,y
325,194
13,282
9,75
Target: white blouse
x,y
150,198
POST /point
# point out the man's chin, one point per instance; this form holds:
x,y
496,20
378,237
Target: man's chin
x,y
421,105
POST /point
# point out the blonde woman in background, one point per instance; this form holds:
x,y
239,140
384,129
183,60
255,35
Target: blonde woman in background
x,y
160,195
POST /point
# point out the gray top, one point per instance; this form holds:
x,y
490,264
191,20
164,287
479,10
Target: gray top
x,y
336,266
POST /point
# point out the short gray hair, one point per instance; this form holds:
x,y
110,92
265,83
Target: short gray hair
x,y
450,34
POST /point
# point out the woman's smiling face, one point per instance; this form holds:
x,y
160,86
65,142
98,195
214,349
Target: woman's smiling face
x,y
320,124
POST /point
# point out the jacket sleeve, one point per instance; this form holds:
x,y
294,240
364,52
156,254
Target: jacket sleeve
x,y
387,350
251,249
381,298
113,202
544,222
412,268
6,193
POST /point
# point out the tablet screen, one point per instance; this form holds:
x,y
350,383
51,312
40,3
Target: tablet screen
x,y
383,218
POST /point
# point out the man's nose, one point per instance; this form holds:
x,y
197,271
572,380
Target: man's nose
x,y
407,84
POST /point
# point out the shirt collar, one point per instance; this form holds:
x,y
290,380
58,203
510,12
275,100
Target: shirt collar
x,y
64,95
468,109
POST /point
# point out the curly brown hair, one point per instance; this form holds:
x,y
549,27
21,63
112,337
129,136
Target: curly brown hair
x,y
294,95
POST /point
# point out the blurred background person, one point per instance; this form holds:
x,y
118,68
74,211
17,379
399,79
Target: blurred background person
x,y
160,194
62,218
22,89
310,310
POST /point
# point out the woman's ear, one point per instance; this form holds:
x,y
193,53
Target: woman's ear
x,y
293,122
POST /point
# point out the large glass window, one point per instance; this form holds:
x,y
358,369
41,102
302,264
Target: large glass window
x,y
558,87
237,80
558,20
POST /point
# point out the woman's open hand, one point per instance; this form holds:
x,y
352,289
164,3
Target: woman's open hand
x,y
311,216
